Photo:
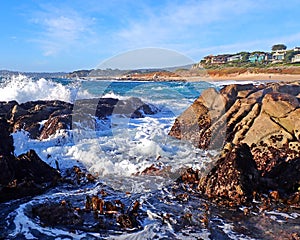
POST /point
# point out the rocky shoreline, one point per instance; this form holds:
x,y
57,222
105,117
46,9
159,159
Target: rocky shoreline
x,y
256,130
27,174
253,131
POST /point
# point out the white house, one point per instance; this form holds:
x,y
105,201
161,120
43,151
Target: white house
x,y
234,58
296,49
278,56
296,58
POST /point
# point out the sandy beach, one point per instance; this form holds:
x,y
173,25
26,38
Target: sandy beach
x,y
247,77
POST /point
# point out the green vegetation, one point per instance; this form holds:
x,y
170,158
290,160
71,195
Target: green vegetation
x,y
277,47
279,57
289,56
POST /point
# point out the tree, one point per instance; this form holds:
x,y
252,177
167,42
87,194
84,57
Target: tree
x,y
245,56
289,56
277,47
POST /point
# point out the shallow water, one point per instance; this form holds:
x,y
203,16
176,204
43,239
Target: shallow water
x,y
116,150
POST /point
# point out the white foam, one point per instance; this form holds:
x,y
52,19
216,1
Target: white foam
x,y
130,146
229,82
114,95
23,89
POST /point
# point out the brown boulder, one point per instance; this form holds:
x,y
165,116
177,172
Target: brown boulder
x,y
264,117
278,105
234,178
194,123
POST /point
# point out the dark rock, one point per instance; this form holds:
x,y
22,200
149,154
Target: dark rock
x,y
41,119
127,221
26,175
96,216
6,141
57,215
28,116
54,124
234,178
6,108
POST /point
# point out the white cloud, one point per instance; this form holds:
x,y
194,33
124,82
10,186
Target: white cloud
x,y
61,29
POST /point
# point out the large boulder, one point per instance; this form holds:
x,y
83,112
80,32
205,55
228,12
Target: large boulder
x,y
265,118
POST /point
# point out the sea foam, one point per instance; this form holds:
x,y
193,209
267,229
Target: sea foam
x,y
24,89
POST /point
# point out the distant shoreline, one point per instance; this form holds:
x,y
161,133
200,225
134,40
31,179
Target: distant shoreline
x,y
248,77
235,77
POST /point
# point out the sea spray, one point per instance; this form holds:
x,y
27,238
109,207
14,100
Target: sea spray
x,y
23,89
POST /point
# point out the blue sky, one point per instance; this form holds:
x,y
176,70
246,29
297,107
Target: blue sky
x,y
67,35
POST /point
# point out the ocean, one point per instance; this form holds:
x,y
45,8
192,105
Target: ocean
x,y
117,151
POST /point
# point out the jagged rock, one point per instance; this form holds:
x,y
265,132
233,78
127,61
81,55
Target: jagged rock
x,y
265,117
57,215
53,124
6,108
38,112
194,124
233,178
44,118
25,175
97,215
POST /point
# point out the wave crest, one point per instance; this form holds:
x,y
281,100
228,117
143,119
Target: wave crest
x,y
24,89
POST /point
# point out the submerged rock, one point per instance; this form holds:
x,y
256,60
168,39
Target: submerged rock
x,y
98,215
261,125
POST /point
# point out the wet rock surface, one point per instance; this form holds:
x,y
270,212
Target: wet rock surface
x,y
44,118
96,215
25,175
256,130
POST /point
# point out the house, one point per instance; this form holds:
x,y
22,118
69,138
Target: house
x,y
296,49
219,59
233,58
257,57
208,59
296,58
278,56
268,57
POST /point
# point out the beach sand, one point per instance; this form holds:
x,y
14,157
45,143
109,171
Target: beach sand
x,y
247,77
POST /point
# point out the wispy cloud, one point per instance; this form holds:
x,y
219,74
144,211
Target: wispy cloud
x,y
61,29
192,27
198,27
185,20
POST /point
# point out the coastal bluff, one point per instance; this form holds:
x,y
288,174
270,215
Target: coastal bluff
x,y
256,132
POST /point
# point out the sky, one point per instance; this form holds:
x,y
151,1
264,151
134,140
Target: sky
x,y
68,35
